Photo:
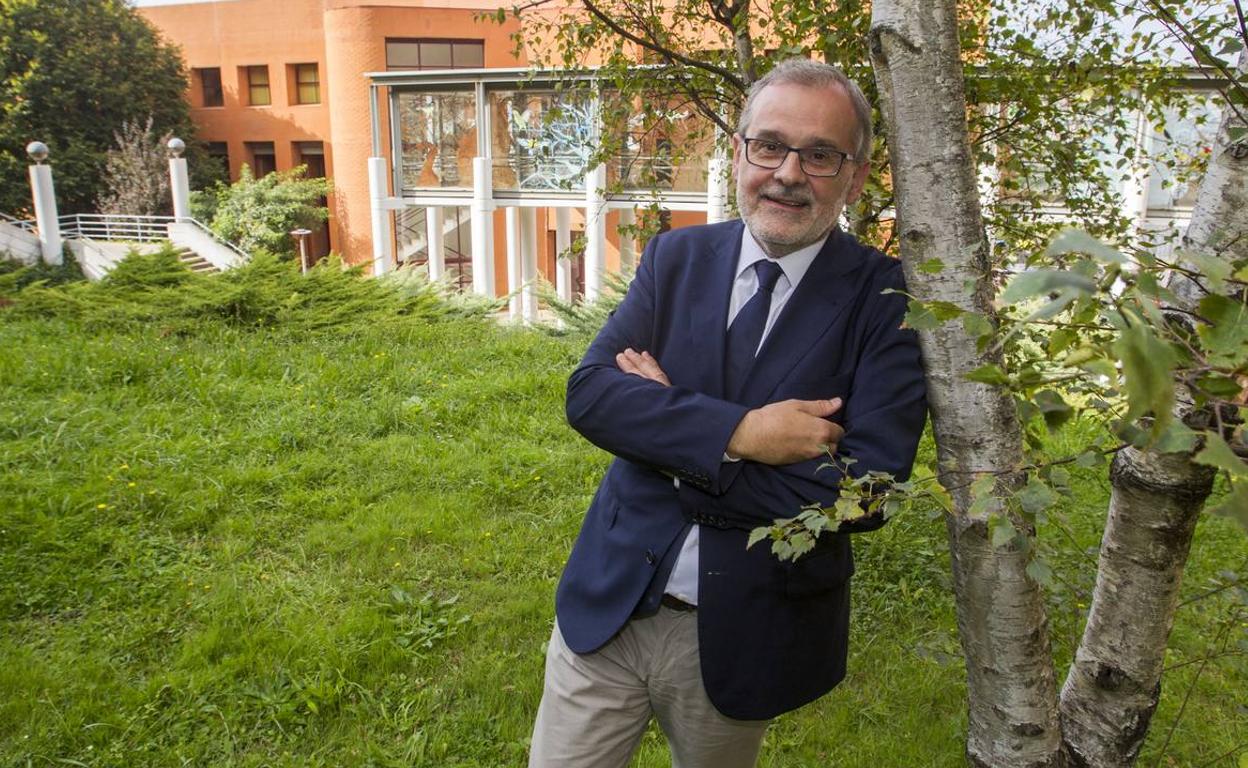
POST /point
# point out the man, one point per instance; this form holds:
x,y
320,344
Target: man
x,y
739,358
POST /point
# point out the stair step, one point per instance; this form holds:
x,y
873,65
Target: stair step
x,y
194,261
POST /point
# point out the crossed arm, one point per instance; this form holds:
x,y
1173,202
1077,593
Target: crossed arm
x,y
777,433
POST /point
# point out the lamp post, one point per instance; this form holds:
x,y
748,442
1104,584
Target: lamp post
x,y
301,237
44,194
179,179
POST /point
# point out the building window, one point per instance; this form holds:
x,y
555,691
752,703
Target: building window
x,y
210,91
258,94
312,155
307,84
219,152
432,53
261,158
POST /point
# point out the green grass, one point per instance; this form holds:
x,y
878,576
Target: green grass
x,y
240,533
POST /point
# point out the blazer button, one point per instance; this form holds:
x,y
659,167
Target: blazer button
x,y
650,556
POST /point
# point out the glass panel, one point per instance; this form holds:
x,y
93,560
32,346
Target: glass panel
x,y
210,80
400,55
438,139
1180,148
469,55
541,139
663,147
258,86
435,55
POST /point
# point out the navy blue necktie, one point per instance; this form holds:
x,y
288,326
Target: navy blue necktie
x,y
747,327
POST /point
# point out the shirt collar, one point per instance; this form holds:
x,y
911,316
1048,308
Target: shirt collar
x,y
793,265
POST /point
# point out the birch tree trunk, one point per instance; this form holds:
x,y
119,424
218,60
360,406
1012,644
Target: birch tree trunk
x,y
1113,686
1013,717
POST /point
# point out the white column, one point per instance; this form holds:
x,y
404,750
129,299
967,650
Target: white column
x,y
716,190
435,227
595,231
563,266
1135,186
383,248
628,241
180,188
482,228
528,264
44,194
513,262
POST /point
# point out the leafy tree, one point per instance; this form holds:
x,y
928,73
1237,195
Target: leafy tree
x,y
136,172
72,73
1042,94
261,213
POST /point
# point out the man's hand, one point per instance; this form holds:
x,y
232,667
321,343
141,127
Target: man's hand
x,y
788,431
641,364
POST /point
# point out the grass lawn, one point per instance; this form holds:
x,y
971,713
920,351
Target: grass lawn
x,y
239,533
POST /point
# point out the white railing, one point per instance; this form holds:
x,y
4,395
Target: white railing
x,y
26,225
114,227
111,227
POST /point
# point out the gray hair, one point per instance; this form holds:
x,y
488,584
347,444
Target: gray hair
x,y
813,74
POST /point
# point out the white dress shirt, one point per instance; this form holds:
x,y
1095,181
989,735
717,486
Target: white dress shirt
x,y
683,583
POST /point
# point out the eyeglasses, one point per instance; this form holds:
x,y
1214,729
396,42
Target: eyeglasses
x,y
815,161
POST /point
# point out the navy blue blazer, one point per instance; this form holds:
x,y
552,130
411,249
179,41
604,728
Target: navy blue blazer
x,y
773,635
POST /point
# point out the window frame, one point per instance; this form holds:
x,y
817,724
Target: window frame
x,y
249,72
419,41
300,83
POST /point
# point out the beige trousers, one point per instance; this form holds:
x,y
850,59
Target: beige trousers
x,y
595,706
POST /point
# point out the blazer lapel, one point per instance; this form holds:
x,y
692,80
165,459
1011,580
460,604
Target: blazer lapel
x,y
715,274
826,290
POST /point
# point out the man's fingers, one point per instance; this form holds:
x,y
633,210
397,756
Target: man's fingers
x,y
641,364
821,408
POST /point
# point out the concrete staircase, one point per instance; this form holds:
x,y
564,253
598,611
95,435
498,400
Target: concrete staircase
x,y
196,262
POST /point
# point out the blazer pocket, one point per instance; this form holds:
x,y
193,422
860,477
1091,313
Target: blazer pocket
x,y
819,572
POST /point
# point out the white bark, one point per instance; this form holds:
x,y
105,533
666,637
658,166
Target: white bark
x,y
1219,223
1001,618
1113,687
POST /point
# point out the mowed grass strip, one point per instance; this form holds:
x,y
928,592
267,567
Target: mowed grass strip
x,y
259,537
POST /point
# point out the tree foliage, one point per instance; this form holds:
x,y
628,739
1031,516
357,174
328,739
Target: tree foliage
x,y
257,214
72,73
136,172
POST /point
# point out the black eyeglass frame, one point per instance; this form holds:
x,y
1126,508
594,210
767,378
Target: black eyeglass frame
x,y
801,161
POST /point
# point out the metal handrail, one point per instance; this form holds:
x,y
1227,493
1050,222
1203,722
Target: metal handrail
x,y
126,228
115,227
26,225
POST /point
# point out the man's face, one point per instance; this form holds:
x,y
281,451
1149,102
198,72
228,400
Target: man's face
x,y
785,209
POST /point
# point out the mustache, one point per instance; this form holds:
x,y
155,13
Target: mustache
x,y
790,194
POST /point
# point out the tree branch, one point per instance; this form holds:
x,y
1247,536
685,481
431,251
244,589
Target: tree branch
x,y
665,52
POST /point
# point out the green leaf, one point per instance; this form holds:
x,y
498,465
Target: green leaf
x,y
1002,530
1225,336
1060,340
1042,281
1054,408
1146,368
1217,453
1214,269
1235,505
983,503
1177,438
1036,496
1040,572
977,327
1078,241
931,266
757,535
1089,459
929,315
989,374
